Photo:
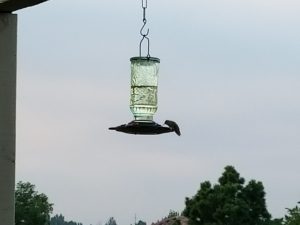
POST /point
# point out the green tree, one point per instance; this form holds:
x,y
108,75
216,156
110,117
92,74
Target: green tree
x,y
60,220
111,221
276,222
31,207
230,202
293,216
57,220
141,223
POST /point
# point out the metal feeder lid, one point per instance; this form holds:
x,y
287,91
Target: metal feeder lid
x,y
142,127
137,58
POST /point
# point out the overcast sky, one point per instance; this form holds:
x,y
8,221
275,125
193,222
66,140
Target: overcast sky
x,y
229,75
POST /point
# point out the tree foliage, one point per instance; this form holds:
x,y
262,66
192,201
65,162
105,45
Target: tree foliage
x,y
141,223
111,221
293,216
276,222
230,202
172,213
60,220
31,207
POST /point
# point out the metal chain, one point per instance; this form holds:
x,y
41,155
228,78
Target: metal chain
x,y
144,35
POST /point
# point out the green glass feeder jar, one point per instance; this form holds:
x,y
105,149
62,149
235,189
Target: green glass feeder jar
x,y
144,81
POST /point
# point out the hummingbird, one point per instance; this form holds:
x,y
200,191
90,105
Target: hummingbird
x,y
173,126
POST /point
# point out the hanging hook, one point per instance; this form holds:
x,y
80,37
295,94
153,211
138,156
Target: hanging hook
x,y
141,32
143,38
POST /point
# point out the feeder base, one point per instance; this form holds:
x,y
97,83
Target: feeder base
x,y
142,128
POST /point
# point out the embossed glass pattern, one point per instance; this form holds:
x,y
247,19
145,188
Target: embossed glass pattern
x,y
144,80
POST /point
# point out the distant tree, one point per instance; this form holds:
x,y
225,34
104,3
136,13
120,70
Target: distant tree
x,y
173,213
31,207
60,220
230,202
293,216
57,220
111,221
141,223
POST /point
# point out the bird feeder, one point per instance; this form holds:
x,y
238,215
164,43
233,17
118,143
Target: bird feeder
x,y
143,93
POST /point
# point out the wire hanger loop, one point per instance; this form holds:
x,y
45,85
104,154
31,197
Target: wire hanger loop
x,y
142,32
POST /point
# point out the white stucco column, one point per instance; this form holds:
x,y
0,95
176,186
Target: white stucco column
x,y
8,53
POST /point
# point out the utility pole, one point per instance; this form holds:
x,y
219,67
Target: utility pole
x,y
8,74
